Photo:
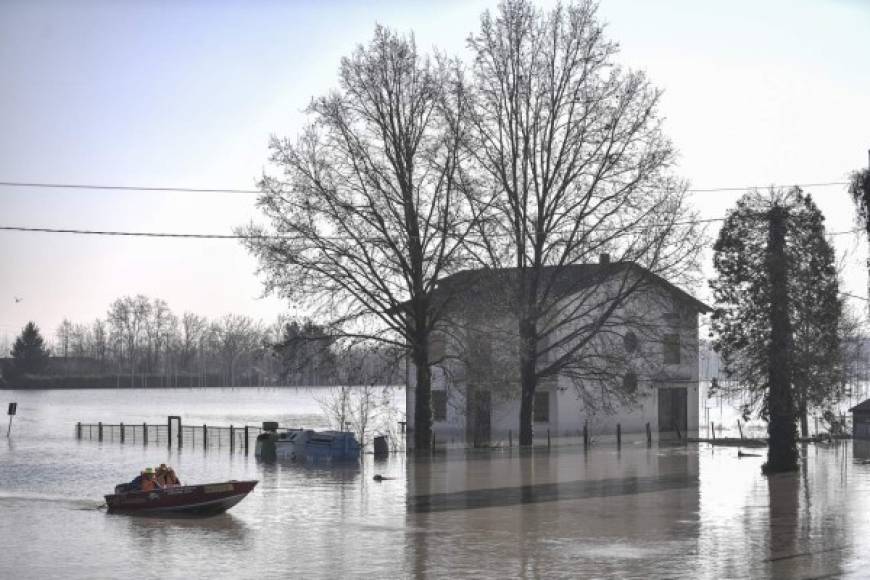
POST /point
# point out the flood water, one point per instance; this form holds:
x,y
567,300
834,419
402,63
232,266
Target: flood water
x,y
669,511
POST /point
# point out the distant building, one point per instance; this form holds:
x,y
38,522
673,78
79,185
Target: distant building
x,y
641,368
861,420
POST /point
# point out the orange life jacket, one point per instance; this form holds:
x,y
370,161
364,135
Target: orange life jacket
x,y
148,484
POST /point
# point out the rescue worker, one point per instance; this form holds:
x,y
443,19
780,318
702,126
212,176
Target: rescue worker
x,y
160,475
171,478
166,476
149,483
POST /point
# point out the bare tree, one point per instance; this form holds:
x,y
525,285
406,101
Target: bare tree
x,y
64,337
127,319
363,400
368,214
100,346
238,338
572,147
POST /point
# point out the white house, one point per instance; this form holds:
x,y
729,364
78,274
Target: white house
x,y
640,368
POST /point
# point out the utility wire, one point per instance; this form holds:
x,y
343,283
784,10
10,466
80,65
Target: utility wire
x,y
253,191
256,191
245,236
124,187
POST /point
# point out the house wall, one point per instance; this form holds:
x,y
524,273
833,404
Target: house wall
x,y
567,412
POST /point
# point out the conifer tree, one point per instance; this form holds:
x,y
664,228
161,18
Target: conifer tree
x,y
756,286
29,353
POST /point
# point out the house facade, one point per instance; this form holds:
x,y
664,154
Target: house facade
x,y
618,346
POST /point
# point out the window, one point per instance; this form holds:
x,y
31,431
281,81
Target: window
x,y
672,349
630,342
542,407
436,347
671,318
629,382
439,405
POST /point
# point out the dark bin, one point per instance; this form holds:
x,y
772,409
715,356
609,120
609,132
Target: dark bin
x,y
381,447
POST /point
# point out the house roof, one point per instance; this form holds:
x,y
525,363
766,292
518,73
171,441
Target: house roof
x,y
865,407
567,279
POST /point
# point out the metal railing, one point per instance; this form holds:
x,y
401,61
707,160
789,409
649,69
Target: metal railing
x,y
172,433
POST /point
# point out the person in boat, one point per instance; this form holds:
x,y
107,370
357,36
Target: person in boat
x,y
149,482
166,476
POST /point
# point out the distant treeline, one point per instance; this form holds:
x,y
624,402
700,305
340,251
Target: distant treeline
x,y
142,343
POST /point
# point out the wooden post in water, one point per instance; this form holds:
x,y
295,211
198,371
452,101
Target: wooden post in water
x,y
123,434
618,436
204,436
740,428
180,433
145,434
100,431
548,438
713,430
677,428
246,439
232,439
510,438
648,436
79,430
169,432
585,435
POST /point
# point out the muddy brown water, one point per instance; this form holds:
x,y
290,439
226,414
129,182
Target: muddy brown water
x,y
672,511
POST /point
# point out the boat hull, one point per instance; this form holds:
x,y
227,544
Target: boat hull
x,y
182,501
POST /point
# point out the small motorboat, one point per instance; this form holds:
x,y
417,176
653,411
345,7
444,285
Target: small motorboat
x,y
207,499
306,444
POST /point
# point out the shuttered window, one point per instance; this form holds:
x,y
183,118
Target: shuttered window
x,y
542,407
439,405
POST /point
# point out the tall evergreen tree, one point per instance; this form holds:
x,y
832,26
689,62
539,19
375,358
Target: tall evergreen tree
x,y
29,353
778,310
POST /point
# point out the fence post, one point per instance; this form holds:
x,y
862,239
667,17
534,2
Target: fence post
x,y
79,430
246,439
122,433
713,429
180,433
648,436
740,428
618,436
145,434
100,431
232,439
169,432
585,434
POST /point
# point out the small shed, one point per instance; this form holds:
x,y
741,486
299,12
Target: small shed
x,y
861,420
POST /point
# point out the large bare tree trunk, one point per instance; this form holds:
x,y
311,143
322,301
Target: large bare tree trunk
x,y
423,400
528,380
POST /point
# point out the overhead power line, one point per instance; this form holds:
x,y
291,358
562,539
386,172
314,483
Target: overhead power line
x,y
125,187
243,237
118,233
256,191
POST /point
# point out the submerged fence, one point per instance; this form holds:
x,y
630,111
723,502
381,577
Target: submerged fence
x,y
172,433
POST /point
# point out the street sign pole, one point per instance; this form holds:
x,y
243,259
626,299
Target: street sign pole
x,y
13,407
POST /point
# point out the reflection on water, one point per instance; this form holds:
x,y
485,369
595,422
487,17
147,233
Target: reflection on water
x,y
684,511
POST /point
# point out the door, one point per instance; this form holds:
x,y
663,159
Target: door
x,y
673,410
478,418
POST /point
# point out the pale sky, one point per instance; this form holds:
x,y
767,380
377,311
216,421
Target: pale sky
x,y
186,94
